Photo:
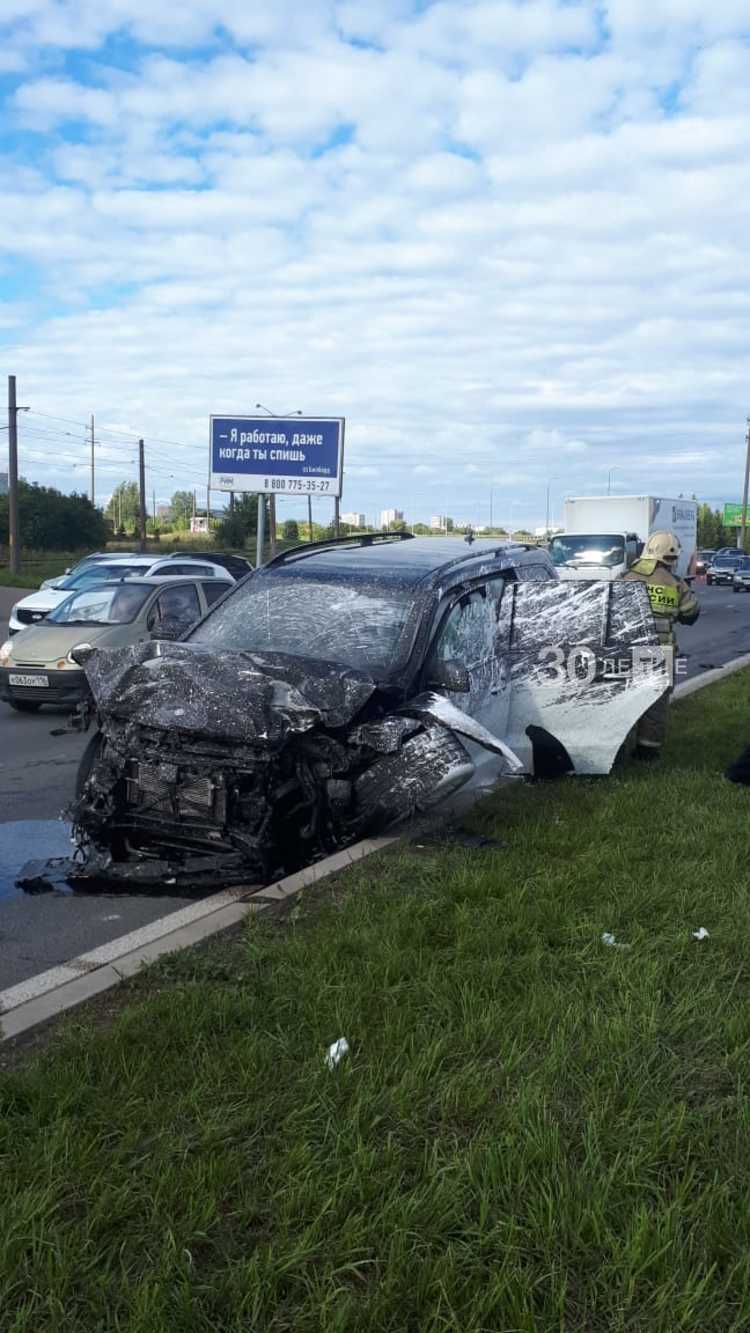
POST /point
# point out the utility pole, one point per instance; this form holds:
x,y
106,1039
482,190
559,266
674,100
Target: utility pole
x,y
309,517
141,497
153,506
272,524
336,517
14,553
741,533
195,503
93,490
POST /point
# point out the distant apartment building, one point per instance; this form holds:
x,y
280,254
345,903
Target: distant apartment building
x,y
388,516
354,520
3,483
436,523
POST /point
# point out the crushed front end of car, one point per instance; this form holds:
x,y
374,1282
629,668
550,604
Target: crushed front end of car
x,y
212,768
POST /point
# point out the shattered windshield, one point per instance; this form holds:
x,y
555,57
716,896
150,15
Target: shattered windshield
x,y
358,625
605,548
101,606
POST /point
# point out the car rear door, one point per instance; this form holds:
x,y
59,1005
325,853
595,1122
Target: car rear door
x,y
585,664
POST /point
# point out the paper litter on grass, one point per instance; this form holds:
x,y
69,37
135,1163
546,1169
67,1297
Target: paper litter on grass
x,y
610,940
336,1052
701,933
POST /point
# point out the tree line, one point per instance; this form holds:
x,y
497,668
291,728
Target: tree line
x,y
712,532
51,521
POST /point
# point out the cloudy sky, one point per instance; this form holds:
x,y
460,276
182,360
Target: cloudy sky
x,y
508,241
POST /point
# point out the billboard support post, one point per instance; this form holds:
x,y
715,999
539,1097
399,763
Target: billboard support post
x,y
260,524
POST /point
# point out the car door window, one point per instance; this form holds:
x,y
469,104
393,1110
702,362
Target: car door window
x,y
196,571
176,604
214,589
472,631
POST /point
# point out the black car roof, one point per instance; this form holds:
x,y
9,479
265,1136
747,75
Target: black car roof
x,y
418,560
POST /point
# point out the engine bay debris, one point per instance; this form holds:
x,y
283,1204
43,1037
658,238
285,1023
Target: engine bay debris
x,y
212,768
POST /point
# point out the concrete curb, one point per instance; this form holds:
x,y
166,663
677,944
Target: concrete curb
x,y
60,988
689,687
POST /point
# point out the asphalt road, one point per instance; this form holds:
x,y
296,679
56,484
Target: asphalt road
x,y
37,773
37,776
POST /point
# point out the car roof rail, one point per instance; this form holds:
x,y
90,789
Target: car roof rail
x,y
335,543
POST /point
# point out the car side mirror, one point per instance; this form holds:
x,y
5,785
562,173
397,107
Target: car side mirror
x,y
451,676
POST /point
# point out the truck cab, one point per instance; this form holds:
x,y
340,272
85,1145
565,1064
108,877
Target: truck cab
x,y
598,555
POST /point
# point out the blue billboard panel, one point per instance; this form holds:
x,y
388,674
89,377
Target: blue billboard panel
x,y
283,456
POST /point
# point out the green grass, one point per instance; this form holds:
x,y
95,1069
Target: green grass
x,y
533,1131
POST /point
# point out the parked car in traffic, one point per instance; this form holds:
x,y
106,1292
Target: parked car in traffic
x,y
38,665
703,560
94,558
741,576
32,609
237,565
722,568
346,685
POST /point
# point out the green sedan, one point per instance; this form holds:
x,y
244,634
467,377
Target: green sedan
x,y
37,665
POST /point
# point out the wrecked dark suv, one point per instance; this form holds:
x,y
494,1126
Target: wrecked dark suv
x,y
344,686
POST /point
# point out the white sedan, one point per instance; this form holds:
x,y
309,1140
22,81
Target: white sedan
x,y
32,609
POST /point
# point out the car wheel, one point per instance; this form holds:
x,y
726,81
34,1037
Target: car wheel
x,y
24,705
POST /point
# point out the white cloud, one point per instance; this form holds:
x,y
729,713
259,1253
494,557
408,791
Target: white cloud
x,y
504,242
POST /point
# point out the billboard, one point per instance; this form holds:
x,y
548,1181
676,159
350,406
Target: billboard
x,y
733,515
277,455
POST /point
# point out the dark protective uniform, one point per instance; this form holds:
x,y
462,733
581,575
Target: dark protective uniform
x,y
671,600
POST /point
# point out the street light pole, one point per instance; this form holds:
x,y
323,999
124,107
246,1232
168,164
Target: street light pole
x,y
546,520
14,554
609,478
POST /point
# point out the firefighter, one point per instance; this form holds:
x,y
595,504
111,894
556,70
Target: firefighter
x,y
671,600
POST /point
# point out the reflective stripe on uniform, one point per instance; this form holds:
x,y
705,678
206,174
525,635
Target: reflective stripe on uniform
x,y
648,745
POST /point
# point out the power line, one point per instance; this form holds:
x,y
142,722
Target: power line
x,y
128,434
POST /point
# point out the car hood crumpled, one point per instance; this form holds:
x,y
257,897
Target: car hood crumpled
x,y
238,697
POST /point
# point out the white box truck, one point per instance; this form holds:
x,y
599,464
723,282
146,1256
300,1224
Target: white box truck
x,y
604,534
